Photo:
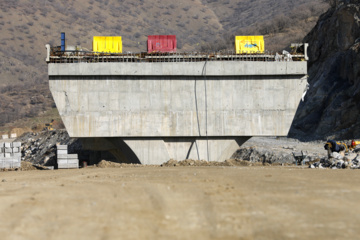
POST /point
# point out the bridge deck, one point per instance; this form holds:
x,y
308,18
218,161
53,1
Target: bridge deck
x,y
89,57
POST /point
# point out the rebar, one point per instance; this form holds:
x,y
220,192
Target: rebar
x,y
93,57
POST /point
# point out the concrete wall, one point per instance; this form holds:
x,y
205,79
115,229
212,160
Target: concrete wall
x,y
210,68
132,106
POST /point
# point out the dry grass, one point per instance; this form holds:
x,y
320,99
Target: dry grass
x,y
26,26
28,124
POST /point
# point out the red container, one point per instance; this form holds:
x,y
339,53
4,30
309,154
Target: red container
x,y
161,43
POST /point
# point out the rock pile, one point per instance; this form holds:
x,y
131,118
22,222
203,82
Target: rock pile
x,y
272,156
109,164
339,161
40,148
25,166
203,163
256,154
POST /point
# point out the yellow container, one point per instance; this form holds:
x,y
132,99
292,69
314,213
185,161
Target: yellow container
x,y
249,44
107,44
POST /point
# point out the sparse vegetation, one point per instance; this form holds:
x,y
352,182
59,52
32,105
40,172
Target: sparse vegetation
x,y
332,3
186,8
199,25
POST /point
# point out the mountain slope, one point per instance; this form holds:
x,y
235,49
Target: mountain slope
x,y
332,105
26,26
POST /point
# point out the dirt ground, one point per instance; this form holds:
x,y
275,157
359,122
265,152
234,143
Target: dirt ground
x,y
150,202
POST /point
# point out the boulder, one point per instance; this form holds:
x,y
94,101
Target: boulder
x,y
332,105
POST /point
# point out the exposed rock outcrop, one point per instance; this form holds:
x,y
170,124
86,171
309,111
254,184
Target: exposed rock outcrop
x,y
332,105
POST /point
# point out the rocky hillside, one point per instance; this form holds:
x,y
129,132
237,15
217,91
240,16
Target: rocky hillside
x,y
26,26
332,105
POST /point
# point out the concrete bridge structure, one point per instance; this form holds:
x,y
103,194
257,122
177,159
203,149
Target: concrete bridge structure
x,y
150,112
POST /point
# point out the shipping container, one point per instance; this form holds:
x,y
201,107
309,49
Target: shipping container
x,y
249,44
161,43
107,44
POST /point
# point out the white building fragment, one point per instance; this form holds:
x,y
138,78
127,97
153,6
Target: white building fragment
x,y
65,160
10,155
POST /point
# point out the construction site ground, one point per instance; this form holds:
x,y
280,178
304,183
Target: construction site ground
x,y
153,202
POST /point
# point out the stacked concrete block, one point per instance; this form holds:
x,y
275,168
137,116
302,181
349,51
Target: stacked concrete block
x,y
10,155
65,160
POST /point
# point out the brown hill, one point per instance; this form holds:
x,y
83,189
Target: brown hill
x,y
26,26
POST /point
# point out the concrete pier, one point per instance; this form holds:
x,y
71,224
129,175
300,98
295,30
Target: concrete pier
x,y
153,112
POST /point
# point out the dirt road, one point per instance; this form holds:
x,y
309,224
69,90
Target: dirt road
x,y
180,203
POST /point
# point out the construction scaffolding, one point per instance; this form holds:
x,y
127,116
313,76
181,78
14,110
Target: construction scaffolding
x,y
58,56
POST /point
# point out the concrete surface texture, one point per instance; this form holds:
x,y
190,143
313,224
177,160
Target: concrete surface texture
x,y
197,101
212,68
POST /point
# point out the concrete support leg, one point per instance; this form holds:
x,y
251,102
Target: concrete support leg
x,y
217,150
116,146
149,151
159,150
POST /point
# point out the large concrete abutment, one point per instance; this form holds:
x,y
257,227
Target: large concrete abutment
x,y
152,112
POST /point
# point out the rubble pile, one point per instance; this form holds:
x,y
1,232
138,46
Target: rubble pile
x,y
272,156
338,161
256,154
110,164
40,148
203,163
25,166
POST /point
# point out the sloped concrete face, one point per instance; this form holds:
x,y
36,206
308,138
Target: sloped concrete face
x,y
155,151
166,110
152,151
216,149
126,107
